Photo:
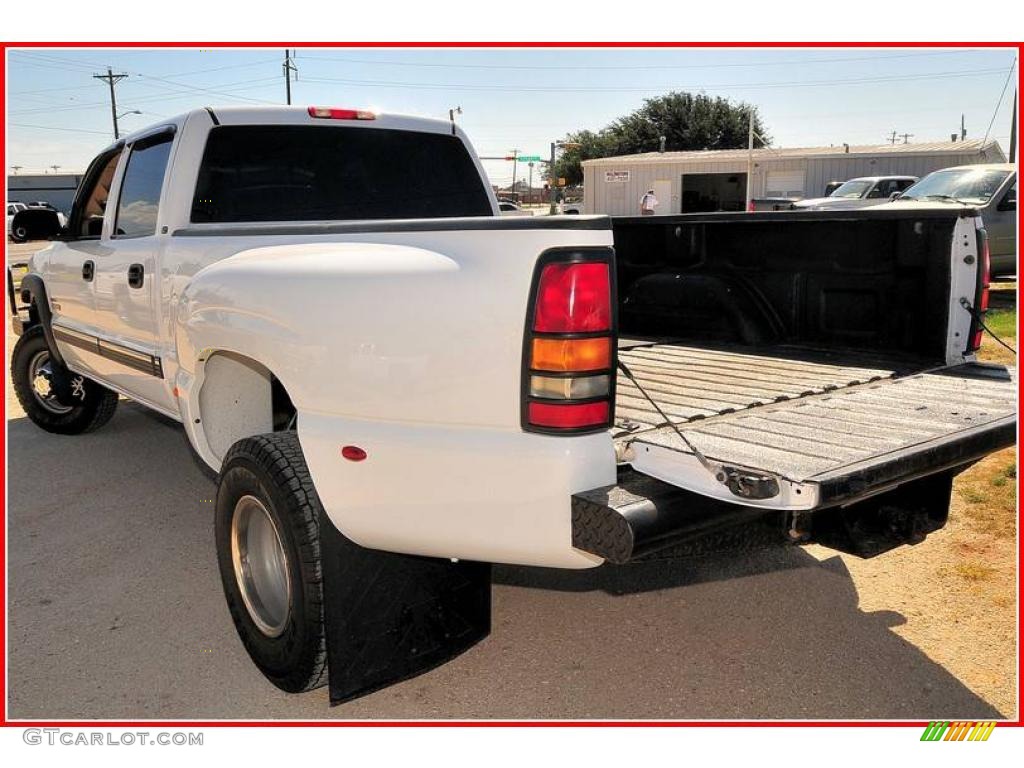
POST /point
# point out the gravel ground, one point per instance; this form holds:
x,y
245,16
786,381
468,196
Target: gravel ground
x,y
116,611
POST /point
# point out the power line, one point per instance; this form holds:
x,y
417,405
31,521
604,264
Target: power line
x,y
629,67
55,128
661,88
184,91
999,101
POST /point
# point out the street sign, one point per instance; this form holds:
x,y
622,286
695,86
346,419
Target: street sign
x,y
528,158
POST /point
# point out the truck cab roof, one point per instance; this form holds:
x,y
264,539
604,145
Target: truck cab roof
x,y
301,115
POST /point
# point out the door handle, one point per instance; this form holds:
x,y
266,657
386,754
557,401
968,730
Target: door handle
x,y
136,275
88,270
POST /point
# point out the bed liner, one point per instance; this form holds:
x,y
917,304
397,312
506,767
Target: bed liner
x,y
840,422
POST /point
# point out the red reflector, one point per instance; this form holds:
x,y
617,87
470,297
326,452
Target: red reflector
x,y
573,298
568,416
353,453
984,299
332,113
976,340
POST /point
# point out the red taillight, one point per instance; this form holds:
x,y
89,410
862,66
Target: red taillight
x,y
573,298
558,416
333,113
986,272
984,281
570,347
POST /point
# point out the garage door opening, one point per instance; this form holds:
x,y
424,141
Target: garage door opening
x,y
708,192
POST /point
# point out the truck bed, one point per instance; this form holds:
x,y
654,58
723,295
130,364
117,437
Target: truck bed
x,y
830,423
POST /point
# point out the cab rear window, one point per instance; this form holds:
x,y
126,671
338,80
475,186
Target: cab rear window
x,y
314,173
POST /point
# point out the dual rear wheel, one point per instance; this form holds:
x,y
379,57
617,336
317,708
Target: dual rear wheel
x,y
266,522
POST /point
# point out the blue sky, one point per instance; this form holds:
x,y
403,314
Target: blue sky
x,y
512,98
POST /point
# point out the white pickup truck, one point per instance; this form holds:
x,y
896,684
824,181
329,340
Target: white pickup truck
x,y
398,387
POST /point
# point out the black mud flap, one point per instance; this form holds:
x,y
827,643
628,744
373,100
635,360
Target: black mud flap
x,y
391,617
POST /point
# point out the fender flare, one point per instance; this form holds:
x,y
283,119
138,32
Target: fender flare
x,y
33,285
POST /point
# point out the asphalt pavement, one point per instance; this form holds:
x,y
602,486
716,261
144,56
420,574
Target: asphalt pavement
x,y
116,611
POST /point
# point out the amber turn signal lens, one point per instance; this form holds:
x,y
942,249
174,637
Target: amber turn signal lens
x,y
572,354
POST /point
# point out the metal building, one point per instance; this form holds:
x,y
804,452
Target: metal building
x,y
58,189
687,182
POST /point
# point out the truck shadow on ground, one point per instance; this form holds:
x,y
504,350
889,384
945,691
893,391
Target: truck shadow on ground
x,y
116,611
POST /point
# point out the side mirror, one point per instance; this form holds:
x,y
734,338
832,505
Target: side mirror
x,y
895,195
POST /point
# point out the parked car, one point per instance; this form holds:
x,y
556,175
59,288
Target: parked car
x,y
858,193
13,208
990,189
397,386
509,208
832,186
36,224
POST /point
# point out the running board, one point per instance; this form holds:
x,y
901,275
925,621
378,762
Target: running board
x,y
390,617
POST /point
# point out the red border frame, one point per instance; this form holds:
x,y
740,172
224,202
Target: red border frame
x,y
4,722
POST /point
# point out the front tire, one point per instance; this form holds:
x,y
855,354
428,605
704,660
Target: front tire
x,y
268,548
19,234
80,405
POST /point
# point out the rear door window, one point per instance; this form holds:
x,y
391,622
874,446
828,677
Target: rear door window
x,y
138,203
91,202
317,173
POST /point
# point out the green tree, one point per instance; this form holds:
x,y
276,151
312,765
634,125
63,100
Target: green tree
x,y
687,121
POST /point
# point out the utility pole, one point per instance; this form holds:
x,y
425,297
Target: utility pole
x,y
907,137
750,163
288,67
17,168
963,128
55,168
529,191
1013,129
552,205
892,138
515,155
112,80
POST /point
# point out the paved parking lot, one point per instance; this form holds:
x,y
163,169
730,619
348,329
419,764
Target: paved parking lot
x,y
116,611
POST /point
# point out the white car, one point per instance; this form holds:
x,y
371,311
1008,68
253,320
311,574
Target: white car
x,y
861,192
397,386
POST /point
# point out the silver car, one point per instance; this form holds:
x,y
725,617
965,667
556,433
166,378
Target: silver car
x,y
858,193
991,189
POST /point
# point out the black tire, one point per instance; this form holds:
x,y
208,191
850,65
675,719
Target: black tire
x,y
19,234
271,469
89,405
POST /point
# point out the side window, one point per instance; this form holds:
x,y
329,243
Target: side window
x,y
87,217
1009,201
903,184
140,191
881,189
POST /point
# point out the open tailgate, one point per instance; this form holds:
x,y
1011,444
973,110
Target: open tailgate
x,y
842,444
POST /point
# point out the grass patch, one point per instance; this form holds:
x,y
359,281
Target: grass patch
x,y
971,571
1003,322
972,495
988,491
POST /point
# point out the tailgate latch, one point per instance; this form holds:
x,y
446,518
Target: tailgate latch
x,y
748,485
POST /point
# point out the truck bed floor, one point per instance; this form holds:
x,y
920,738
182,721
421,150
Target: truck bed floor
x,y
802,415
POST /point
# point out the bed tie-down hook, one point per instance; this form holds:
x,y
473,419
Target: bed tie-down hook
x,y
740,482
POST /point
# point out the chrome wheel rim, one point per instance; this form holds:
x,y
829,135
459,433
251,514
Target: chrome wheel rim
x,y
40,377
261,566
